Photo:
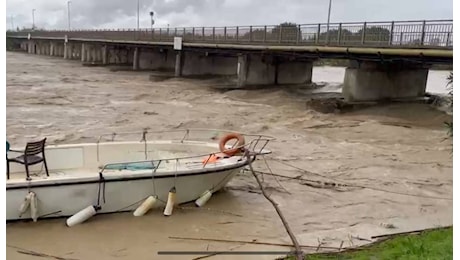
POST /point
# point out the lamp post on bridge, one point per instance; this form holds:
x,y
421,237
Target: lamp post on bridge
x,y
328,21
33,19
152,22
138,15
68,12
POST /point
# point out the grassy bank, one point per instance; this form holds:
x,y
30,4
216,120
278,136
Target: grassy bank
x,y
434,244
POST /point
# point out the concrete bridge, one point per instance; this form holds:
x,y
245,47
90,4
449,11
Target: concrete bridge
x,y
387,59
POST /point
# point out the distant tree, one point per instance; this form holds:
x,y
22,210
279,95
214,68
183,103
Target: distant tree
x,y
289,32
375,34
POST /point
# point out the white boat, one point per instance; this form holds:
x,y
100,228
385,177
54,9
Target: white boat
x,y
112,175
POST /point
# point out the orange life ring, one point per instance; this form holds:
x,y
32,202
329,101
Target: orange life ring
x,y
228,137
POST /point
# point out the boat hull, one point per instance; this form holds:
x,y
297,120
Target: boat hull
x,y
116,195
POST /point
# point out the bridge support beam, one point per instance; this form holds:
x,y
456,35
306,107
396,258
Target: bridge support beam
x,y
372,81
256,69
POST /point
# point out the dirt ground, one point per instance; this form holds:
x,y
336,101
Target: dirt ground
x,y
392,162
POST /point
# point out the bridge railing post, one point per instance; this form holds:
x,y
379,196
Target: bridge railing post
x,y
193,33
390,41
318,33
160,34
339,36
237,33
298,34
363,35
202,33
448,39
250,33
280,34
422,38
214,34
265,33
225,33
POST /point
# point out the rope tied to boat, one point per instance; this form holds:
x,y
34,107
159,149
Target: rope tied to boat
x,y
101,184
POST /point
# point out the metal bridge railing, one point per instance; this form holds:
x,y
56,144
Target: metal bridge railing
x,y
432,33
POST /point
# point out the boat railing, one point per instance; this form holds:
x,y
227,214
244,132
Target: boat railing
x,y
255,145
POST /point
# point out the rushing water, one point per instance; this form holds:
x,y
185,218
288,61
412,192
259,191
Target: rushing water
x,y
399,148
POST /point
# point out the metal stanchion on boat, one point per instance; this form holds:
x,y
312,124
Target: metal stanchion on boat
x,y
82,215
145,206
203,198
170,203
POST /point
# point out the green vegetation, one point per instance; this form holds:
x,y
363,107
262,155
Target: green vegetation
x,y
433,244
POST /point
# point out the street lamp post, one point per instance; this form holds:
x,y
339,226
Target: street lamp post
x,y
12,23
33,19
152,22
138,15
68,12
328,21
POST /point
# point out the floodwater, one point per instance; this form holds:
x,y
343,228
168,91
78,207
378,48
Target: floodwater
x,y
394,158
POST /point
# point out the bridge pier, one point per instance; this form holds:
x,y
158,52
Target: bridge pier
x,y
178,66
157,59
104,55
136,58
256,69
200,63
372,81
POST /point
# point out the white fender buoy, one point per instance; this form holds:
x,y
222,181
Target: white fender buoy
x,y
203,198
170,203
34,207
145,206
25,204
82,215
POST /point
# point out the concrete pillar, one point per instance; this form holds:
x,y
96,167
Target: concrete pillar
x,y
104,55
242,69
256,70
157,59
293,72
93,54
88,52
51,48
372,81
197,63
136,58
178,66
66,50
83,52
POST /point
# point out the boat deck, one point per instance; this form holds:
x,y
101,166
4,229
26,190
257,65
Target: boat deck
x,y
165,168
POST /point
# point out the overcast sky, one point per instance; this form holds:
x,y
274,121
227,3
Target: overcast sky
x,y
52,14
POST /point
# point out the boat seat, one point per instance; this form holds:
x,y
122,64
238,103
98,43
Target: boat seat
x,y
29,157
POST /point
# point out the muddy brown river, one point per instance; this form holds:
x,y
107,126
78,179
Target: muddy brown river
x,y
393,163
